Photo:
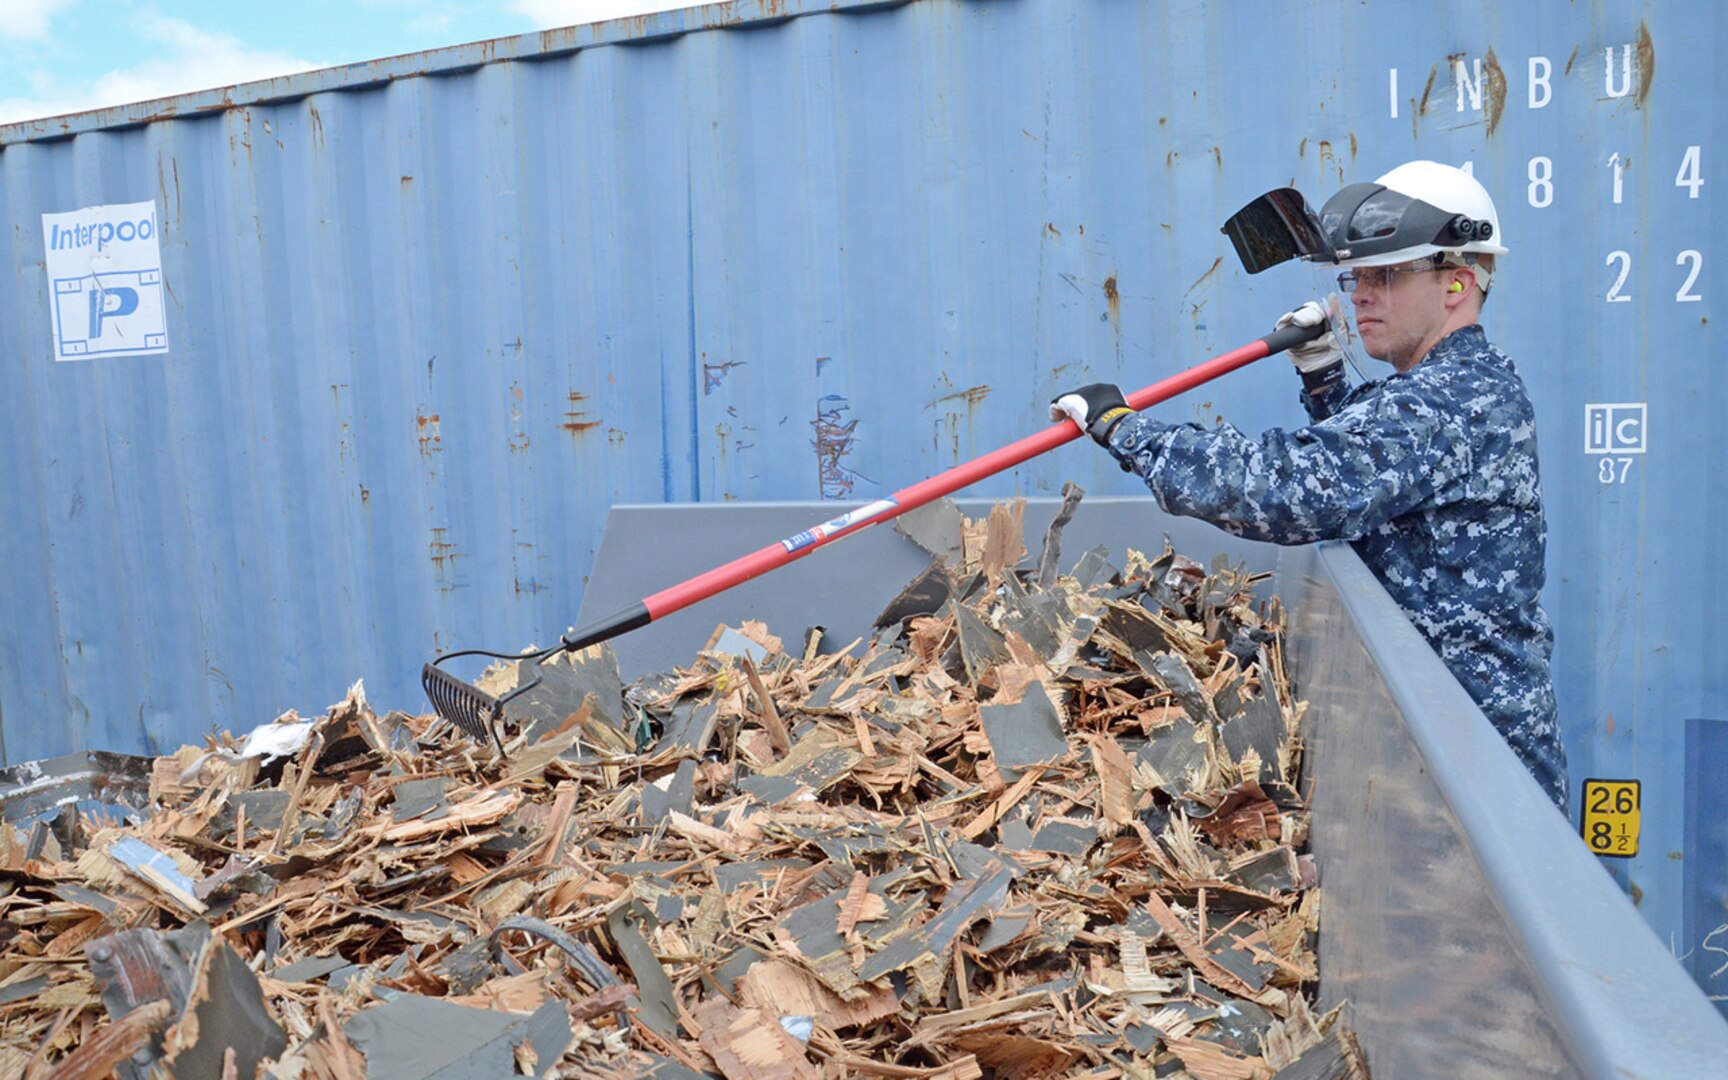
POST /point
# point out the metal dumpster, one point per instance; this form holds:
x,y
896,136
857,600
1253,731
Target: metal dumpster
x,y
1463,919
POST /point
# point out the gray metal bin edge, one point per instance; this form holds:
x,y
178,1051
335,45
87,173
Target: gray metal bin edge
x,y
1599,983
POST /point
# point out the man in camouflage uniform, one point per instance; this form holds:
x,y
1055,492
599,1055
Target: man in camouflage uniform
x,y
1429,473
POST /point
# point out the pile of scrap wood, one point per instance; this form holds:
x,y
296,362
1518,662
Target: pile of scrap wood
x,y
1040,824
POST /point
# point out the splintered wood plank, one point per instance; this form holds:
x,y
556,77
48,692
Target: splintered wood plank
x,y
1209,1061
1115,778
97,1057
784,989
750,1044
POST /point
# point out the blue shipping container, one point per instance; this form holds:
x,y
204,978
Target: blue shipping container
x,y
412,326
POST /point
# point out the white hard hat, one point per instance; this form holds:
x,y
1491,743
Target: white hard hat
x,y
1420,208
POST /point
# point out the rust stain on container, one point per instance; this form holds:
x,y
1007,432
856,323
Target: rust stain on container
x,y
444,556
430,437
616,436
1216,263
972,395
576,421
1352,146
1427,91
1050,229
1573,59
1302,147
1495,77
1646,63
1113,299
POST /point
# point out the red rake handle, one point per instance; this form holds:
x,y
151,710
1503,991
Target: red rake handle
x,y
742,569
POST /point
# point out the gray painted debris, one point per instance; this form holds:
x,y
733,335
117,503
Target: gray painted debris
x,y
923,595
313,967
963,906
1174,673
674,791
1260,726
935,527
568,681
980,647
659,1007
1026,732
421,1038
732,643
1063,836
419,799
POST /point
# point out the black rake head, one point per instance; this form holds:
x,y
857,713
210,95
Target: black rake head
x,y
465,705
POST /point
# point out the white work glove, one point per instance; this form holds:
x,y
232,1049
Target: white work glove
x,y
1321,361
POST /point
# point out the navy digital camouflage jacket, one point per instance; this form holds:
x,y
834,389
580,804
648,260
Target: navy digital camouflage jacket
x,y
1431,476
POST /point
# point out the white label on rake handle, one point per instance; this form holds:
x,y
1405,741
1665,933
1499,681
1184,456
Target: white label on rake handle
x,y
838,525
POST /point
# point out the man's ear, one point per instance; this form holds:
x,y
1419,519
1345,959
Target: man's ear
x,y
1462,285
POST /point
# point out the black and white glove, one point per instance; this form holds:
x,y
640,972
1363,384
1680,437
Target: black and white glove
x,y
1321,361
1097,408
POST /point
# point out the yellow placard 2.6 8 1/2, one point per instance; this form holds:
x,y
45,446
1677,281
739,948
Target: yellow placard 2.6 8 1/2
x,y
1611,817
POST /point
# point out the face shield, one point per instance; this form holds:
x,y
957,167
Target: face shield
x,y
1277,227
1362,225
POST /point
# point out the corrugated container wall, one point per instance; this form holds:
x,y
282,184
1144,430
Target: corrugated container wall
x,y
425,319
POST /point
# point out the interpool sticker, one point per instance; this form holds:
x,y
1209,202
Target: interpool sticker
x,y
105,281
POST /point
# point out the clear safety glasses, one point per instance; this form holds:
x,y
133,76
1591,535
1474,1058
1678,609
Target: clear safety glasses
x,y
1381,277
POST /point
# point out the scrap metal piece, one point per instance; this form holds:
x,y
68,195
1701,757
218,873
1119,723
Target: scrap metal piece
x,y
1072,493
158,870
1173,752
593,969
1135,627
36,790
216,1002
304,971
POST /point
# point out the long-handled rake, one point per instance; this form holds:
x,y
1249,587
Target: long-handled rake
x,y
477,712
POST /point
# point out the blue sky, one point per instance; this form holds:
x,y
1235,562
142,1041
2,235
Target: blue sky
x,y
59,56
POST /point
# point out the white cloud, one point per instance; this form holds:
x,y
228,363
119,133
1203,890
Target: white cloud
x,y
27,18
185,59
545,14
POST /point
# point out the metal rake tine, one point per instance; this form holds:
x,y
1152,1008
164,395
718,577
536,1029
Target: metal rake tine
x,y
468,707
